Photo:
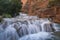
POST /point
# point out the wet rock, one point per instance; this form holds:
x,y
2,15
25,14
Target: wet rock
x,y
1,18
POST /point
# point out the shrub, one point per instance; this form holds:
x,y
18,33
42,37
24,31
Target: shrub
x,y
11,7
54,3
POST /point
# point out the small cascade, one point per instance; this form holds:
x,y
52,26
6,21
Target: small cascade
x,y
26,27
38,36
9,33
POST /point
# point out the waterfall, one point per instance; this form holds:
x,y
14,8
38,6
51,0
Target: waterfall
x,y
26,27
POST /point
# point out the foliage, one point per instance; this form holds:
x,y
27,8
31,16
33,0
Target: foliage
x,y
54,3
6,15
11,7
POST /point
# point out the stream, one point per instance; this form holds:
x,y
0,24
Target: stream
x,y
24,27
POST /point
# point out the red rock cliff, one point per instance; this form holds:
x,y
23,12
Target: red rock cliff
x,y
39,8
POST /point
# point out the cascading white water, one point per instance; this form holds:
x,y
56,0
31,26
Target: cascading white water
x,y
26,27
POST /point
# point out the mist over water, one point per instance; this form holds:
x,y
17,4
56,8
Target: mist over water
x,y
24,27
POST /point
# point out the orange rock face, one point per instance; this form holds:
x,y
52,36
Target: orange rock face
x,y
24,2
39,8
34,5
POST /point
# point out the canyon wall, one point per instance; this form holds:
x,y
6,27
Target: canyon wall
x,y
32,6
24,2
40,9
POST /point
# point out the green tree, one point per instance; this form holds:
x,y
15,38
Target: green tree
x,y
10,7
